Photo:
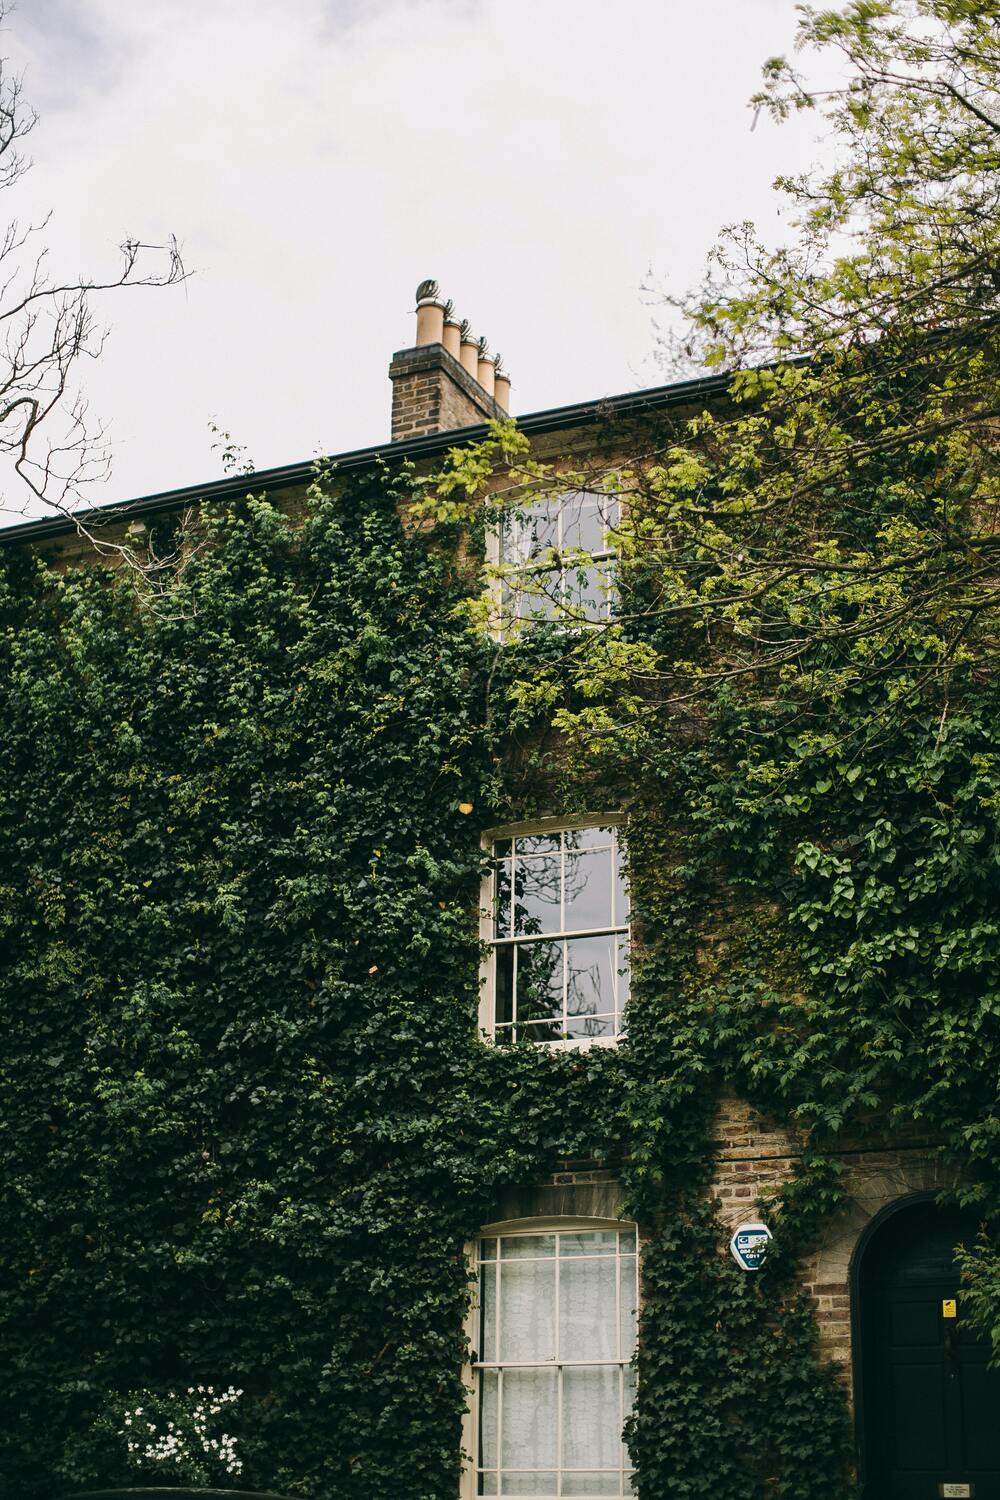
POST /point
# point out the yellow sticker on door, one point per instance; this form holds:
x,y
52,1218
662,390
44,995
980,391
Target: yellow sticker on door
x,y
949,1309
956,1491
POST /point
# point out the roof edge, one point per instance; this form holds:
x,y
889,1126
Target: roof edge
x,y
289,476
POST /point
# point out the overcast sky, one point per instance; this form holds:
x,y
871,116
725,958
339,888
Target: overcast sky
x,y
317,158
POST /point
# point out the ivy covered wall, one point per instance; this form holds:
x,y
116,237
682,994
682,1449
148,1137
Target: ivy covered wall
x,y
246,1125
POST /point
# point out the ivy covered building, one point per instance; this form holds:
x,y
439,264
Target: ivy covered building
x,y
378,1049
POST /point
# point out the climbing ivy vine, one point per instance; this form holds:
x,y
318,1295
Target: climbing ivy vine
x,y
247,1125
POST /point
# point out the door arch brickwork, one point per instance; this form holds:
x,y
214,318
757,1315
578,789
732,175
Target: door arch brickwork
x,y
755,1155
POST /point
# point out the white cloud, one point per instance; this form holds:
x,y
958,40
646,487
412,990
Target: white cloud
x,y
318,159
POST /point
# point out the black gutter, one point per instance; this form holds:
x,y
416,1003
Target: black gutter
x,y
289,476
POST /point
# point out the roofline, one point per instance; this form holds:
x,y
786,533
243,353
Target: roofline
x,y
289,476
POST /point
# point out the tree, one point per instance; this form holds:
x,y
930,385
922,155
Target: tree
x,y
52,448
833,516
801,661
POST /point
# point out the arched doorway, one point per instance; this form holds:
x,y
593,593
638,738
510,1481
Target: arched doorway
x,y
929,1408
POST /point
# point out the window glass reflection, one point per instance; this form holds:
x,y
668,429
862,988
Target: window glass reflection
x,y
537,894
547,986
561,554
588,890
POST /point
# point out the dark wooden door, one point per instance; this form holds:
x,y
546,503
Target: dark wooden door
x,y
931,1406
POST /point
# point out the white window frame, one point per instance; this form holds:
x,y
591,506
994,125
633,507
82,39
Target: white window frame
x,y
504,628
468,1485
487,973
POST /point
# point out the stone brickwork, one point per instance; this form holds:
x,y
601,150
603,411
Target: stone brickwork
x,y
432,392
755,1156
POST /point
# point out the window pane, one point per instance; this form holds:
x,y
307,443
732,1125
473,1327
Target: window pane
x,y
539,843
590,964
591,1418
627,1306
588,838
628,1402
628,1395
504,988
589,1242
529,1483
587,1308
501,899
590,1028
542,1031
487,1484
518,1246
591,1482
539,981
534,597
585,590
530,534
488,1420
527,1308
622,973
537,894
588,890
621,889
488,1312
528,1438
583,522
487,1249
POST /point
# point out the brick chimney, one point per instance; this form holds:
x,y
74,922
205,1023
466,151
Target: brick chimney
x,y
447,379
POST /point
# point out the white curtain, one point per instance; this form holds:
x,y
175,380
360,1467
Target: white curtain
x,y
553,1426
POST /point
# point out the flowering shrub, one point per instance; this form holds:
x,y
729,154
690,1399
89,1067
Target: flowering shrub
x,y
174,1434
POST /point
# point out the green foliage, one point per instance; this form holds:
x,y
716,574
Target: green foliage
x,y
184,1437
739,1395
246,1124
237,970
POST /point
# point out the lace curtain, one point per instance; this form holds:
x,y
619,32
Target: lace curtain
x,y
557,1335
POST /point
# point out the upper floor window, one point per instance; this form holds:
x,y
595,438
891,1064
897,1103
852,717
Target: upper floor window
x,y
559,555
557,1325
559,916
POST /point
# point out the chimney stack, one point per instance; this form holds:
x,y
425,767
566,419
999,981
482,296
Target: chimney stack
x,y
447,379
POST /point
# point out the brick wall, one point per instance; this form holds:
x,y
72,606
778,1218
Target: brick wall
x,y
432,392
754,1156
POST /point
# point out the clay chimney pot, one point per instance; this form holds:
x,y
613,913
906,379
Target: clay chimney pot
x,y
485,369
501,389
430,314
469,350
452,337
